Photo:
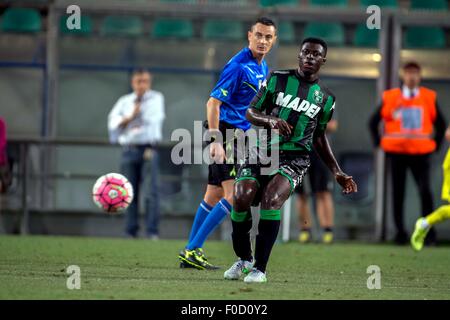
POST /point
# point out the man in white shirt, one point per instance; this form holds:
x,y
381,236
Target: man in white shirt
x,y
135,122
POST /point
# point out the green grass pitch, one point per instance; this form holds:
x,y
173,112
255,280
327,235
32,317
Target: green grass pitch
x,y
35,268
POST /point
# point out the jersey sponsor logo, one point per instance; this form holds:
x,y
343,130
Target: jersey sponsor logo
x,y
224,92
297,104
259,76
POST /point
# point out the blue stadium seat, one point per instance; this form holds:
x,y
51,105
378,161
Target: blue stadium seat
x,y
381,3
179,1
223,30
424,37
22,20
129,26
441,5
286,32
172,28
271,3
85,26
365,37
333,3
234,2
332,33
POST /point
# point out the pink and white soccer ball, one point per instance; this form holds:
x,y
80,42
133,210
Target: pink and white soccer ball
x,y
112,192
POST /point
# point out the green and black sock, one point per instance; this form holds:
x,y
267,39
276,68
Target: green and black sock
x,y
268,228
242,224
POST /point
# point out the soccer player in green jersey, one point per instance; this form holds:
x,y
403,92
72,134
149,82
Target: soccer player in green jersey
x,y
299,106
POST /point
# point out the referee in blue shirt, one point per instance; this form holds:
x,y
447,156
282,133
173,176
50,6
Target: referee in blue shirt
x,y
238,84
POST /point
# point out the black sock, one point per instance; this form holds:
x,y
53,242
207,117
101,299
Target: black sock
x,y
267,235
241,239
328,229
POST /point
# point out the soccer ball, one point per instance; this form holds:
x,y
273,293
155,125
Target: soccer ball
x,y
112,192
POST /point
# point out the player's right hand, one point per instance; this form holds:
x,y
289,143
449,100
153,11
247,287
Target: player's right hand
x,y
217,153
347,183
282,125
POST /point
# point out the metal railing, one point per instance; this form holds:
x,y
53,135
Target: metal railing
x,y
24,174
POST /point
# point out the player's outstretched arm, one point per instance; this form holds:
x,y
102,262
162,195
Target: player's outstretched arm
x,y
260,119
324,150
216,150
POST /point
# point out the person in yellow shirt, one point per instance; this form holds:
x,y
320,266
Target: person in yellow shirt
x,y
441,214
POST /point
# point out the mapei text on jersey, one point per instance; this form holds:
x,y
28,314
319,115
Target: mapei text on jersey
x,y
297,104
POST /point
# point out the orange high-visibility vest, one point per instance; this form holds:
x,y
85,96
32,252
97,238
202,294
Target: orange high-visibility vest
x,y
408,122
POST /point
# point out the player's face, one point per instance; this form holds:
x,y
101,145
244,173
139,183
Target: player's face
x,y
311,58
141,83
261,39
411,77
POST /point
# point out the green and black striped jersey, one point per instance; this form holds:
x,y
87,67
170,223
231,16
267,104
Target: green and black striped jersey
x,y
306,105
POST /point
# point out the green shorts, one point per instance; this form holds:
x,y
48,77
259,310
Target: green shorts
x,y
293,166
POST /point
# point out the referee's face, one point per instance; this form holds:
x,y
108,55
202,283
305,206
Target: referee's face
x,y
261,39
141,83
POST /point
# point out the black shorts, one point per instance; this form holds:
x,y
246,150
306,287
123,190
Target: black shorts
x,y
293,166
319,177
217,173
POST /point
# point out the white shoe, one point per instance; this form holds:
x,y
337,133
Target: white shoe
x,y
239,268
255,276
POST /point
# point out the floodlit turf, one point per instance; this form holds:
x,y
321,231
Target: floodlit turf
x,y
35,268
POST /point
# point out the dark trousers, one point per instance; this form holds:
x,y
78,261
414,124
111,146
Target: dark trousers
x,y
420,166
142,174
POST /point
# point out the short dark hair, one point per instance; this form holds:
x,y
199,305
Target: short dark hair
x,y
318,41
265,21
139,71
411,64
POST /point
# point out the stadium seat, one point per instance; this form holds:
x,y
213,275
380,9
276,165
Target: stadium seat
x,y
172,28
271,3
424,37
332,33
365,37
180,1
21,20
286,32
223,30
334,3
380,3
429,5
121,26
86,26
239,2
